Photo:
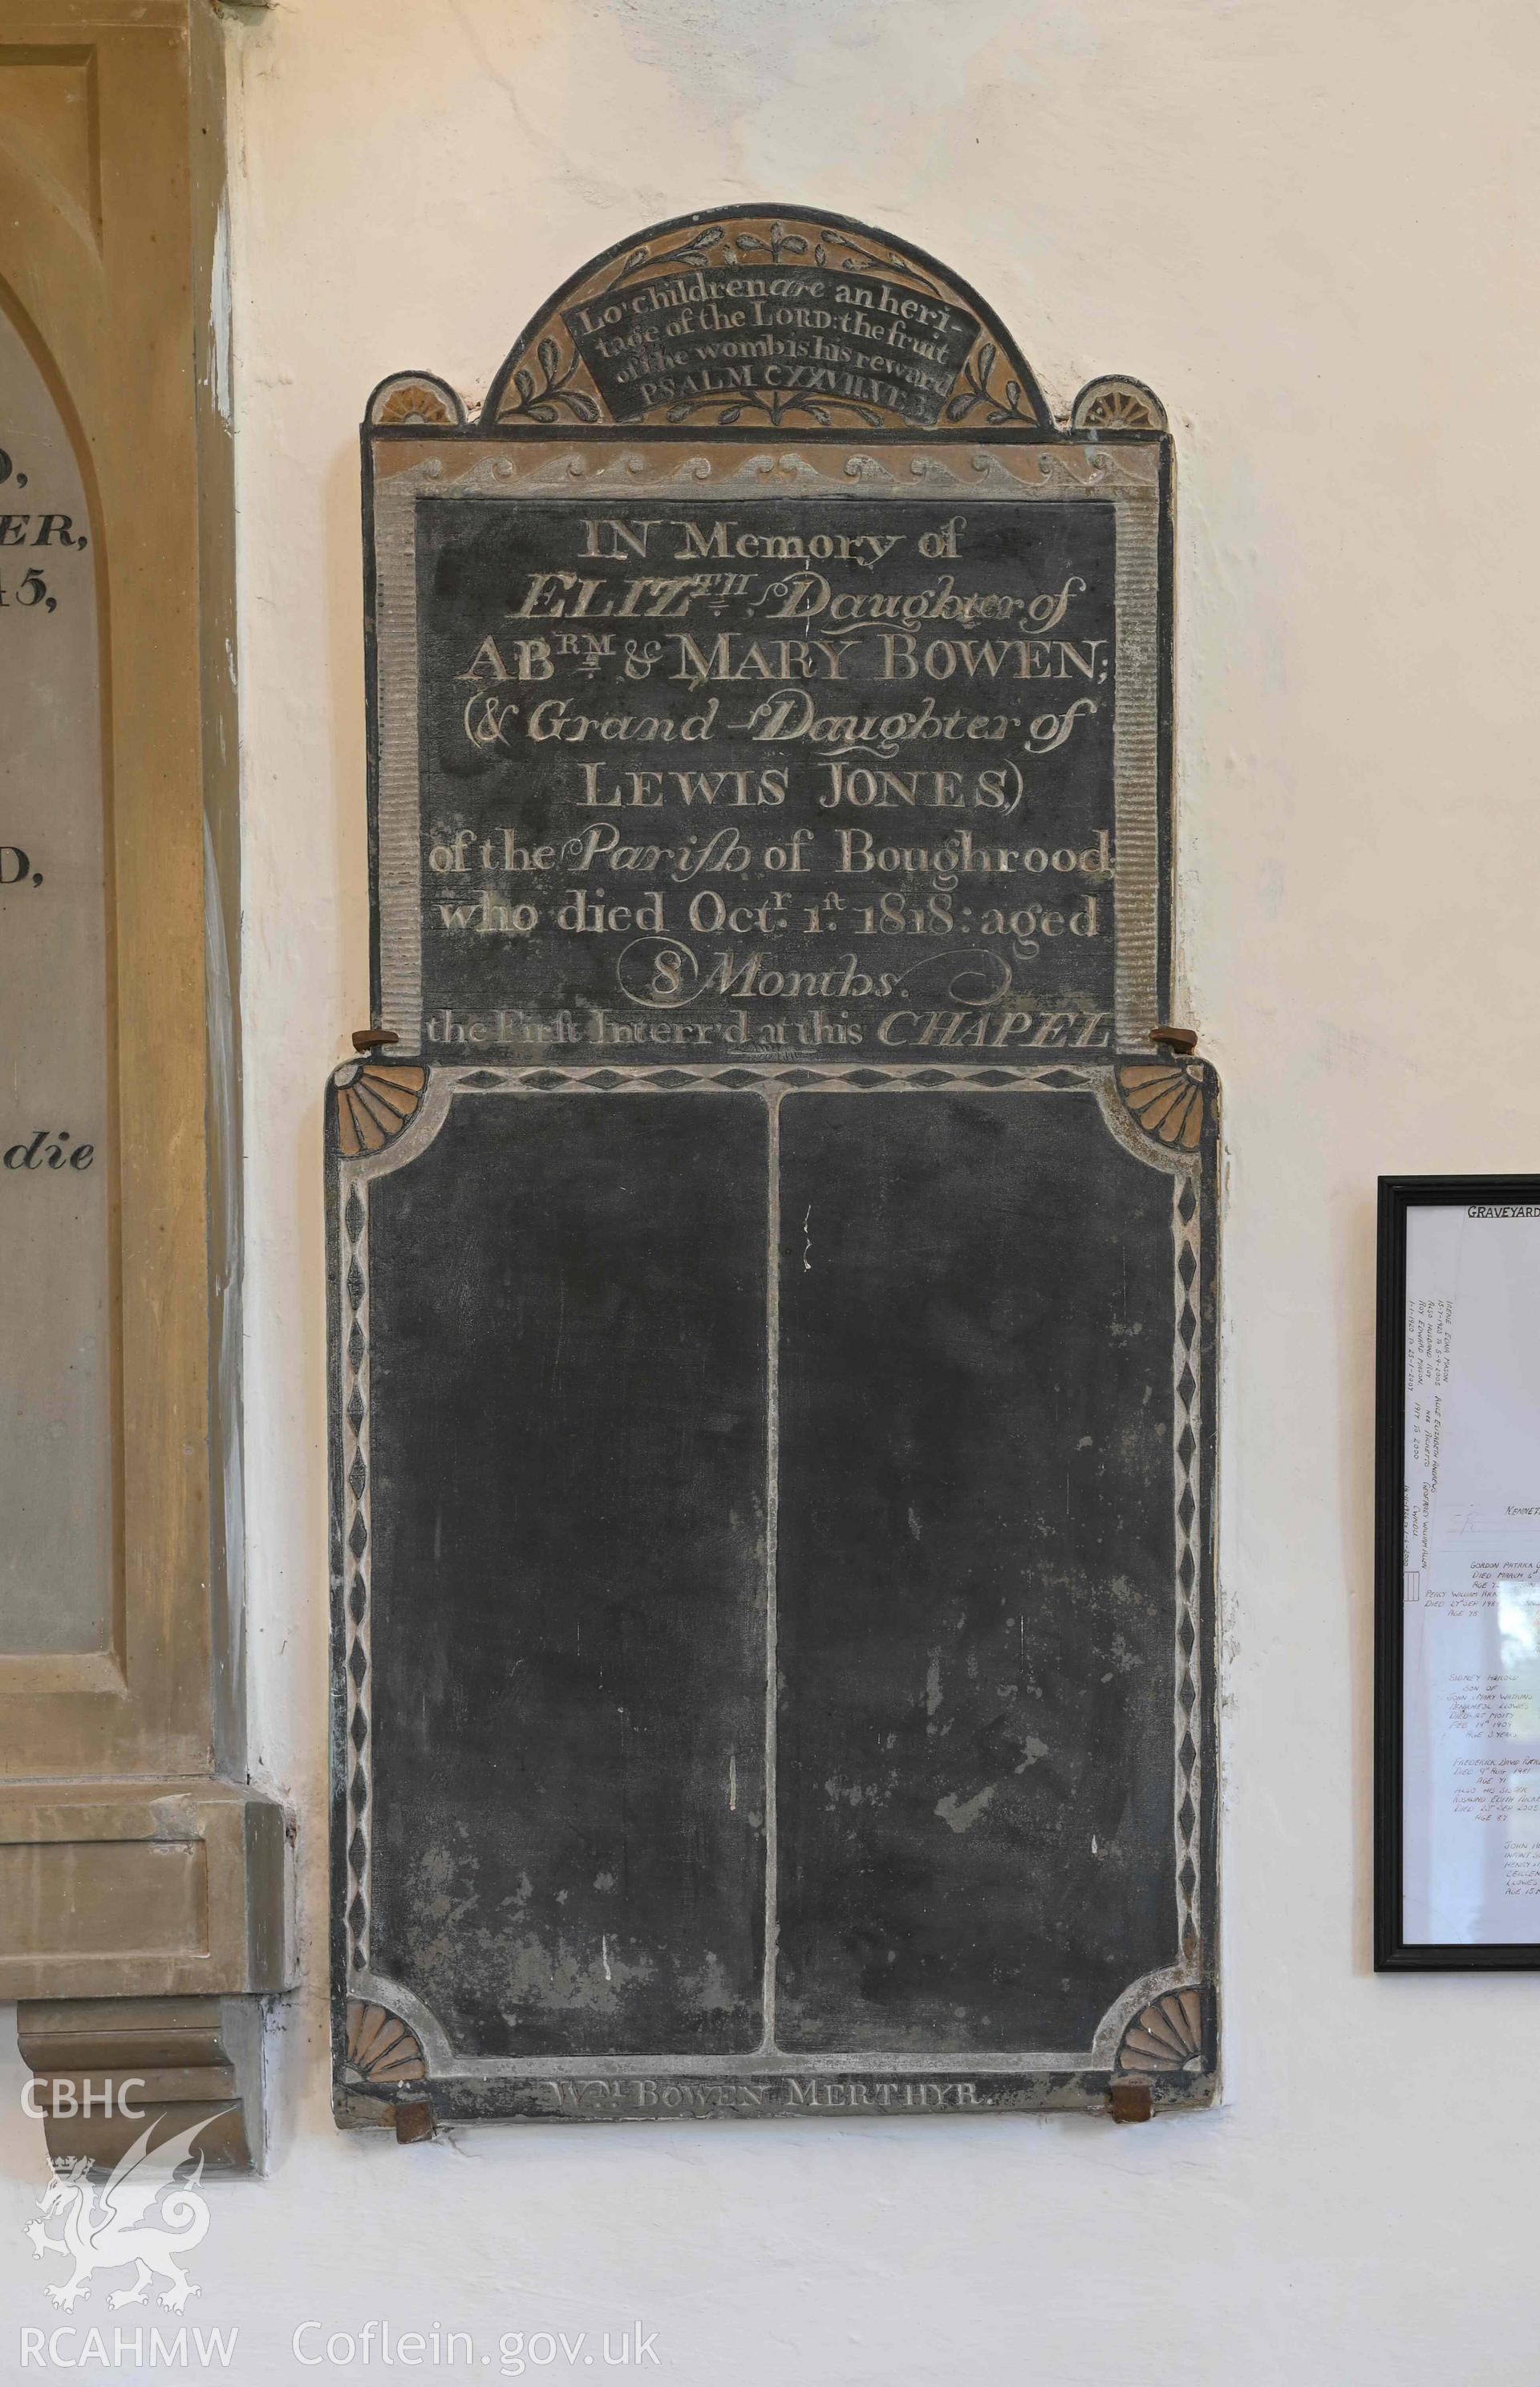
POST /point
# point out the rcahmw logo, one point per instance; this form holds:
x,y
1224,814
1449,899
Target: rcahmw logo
x,y
145,2349
143,2221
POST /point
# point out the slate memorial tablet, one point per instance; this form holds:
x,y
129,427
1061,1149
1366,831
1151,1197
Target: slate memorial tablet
x,y
772,1260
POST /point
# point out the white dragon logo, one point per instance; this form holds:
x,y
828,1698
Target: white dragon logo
x,y
122,2228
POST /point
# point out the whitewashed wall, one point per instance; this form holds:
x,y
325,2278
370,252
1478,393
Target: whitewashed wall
x,y
1308,224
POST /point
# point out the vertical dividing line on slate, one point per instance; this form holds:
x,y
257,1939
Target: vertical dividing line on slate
x,y
771,1524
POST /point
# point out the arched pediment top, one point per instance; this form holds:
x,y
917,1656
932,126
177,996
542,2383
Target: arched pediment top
x,y
760,316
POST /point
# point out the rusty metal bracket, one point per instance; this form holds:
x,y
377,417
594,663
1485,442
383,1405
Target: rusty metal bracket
x,y
1130,2100
413,2117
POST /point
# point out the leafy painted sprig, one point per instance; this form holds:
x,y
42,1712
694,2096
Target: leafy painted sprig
x,y
545,403
776,410
695,251
973,390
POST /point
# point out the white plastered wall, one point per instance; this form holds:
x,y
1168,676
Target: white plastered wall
x,y
1306,224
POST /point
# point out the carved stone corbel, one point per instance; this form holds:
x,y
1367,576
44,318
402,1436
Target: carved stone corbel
x,y
107,2069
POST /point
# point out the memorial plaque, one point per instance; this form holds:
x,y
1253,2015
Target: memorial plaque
x,y
772,1264
57,1435
727,823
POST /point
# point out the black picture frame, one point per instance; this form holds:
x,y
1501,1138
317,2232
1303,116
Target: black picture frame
x,y
1398,1195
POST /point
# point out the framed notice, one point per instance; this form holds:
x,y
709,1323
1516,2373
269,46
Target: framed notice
x,y
1457,1572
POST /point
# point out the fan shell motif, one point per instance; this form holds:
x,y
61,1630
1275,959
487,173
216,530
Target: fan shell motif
x,y
1165,2036
1116,403
1167,1098
374,1103
412,402
380,2050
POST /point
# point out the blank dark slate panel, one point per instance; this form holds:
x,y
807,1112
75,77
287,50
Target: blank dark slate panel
x,y
568,1404
975,1558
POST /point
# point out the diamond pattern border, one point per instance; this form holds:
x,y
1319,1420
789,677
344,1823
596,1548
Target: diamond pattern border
x,y
739,1076
353,1229
1187,1389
